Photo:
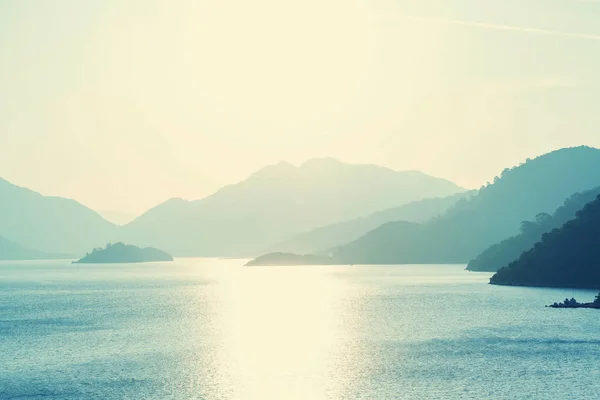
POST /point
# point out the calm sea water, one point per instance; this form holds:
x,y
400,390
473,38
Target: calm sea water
x,y
211,329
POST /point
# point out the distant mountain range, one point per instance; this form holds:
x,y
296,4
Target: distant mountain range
x,y
276,203
13,251
495,213
502,254
566,257
323,239
273,204
50,224
321,205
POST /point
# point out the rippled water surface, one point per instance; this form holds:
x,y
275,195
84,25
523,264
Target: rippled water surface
x,y
211,329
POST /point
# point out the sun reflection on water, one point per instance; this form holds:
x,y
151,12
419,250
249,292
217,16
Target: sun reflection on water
x,y
284,335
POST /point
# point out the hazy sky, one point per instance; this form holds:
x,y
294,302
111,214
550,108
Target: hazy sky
x,y
123,104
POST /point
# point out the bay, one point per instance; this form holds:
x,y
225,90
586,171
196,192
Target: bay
x,y
213,329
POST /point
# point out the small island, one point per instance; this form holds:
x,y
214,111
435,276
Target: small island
x,y
574,304
290,259
124,253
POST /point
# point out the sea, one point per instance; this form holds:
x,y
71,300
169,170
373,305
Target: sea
x,y
214,329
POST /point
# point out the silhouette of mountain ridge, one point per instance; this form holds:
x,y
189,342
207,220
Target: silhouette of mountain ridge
x,y
275,203
495,213
48,223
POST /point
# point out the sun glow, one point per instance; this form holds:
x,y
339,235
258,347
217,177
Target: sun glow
x,y
245,61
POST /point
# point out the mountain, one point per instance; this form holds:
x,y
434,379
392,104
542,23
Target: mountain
x,y
501,254
124,253
276,203
537,186
566,257
334,235
13,251
50,224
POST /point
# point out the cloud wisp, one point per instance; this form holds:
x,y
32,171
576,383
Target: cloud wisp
x,y
502,27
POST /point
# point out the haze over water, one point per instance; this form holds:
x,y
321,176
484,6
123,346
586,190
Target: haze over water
x,y
210,329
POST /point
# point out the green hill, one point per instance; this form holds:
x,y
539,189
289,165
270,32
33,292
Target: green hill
x,y
501,254
329,236
566,257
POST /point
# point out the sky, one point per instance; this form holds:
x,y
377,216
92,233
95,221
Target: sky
x,y
124,104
